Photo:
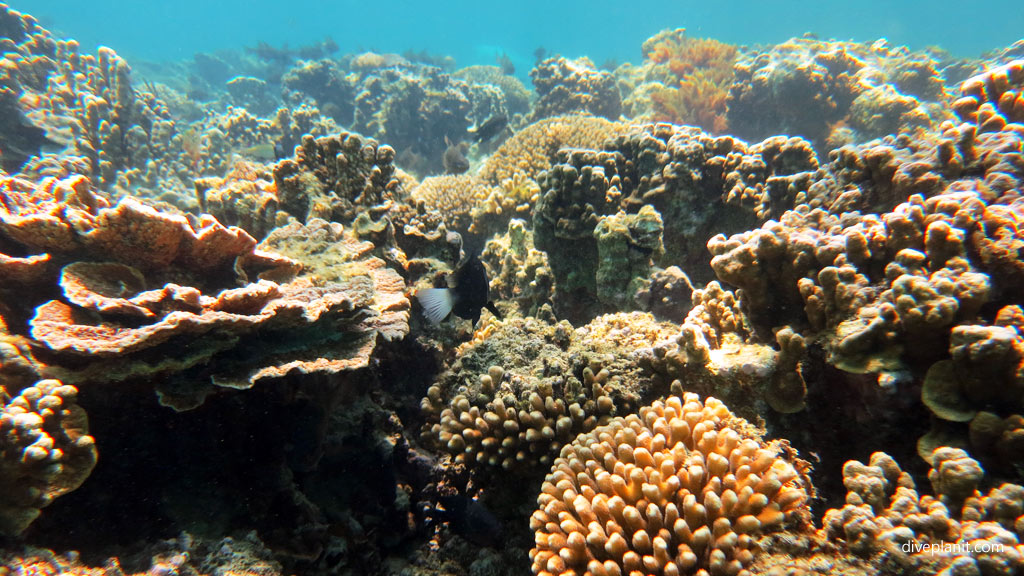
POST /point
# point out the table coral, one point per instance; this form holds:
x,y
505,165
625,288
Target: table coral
x,y
45,450
684,486
137,281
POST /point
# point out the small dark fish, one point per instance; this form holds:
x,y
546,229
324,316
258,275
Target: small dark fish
x,y
465,300
491,128
454,159
471,520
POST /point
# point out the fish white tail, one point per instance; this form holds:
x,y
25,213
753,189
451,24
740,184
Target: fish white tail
x,y
437,303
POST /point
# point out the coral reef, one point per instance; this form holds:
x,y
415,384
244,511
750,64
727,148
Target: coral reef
x,y
517,97
45,450
807,87
684,81
566,86
137,282
683,487
533,148
516,396
958,530
696,183
206,231
994,100
521,280
337,178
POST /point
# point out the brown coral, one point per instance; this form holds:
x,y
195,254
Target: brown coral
x,y
532,149
45,451
684,486
959,529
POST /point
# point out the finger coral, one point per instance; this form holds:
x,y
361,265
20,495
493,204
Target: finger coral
x,y
684,487
516,414
45,451
960,528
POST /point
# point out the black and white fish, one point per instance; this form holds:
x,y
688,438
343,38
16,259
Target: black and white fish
x,y
466,299
491,128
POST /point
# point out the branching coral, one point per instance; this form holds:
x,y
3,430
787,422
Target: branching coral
x,y
522,391
884,514
683,487
695,87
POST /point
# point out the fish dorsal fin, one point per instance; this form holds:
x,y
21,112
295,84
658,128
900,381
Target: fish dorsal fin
x,y
437,303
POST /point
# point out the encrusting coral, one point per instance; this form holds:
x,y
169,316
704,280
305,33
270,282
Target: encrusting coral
x,y
684,487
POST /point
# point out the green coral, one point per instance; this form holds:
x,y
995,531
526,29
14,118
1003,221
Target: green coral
x,y
625,245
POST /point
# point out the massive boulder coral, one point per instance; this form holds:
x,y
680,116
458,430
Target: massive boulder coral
x,y
566,86
698,184
684,487
45,450
805,86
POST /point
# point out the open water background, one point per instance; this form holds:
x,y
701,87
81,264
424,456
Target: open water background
x,y
474,31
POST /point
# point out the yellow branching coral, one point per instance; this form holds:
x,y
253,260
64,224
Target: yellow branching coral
x,y
685,487
531,150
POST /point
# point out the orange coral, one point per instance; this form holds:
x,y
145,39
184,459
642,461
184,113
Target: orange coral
x,y
698,100
685,56
698,72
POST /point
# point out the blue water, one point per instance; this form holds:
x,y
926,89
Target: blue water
x,y
474,32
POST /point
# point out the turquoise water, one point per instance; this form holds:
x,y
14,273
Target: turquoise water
x,y
475,32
